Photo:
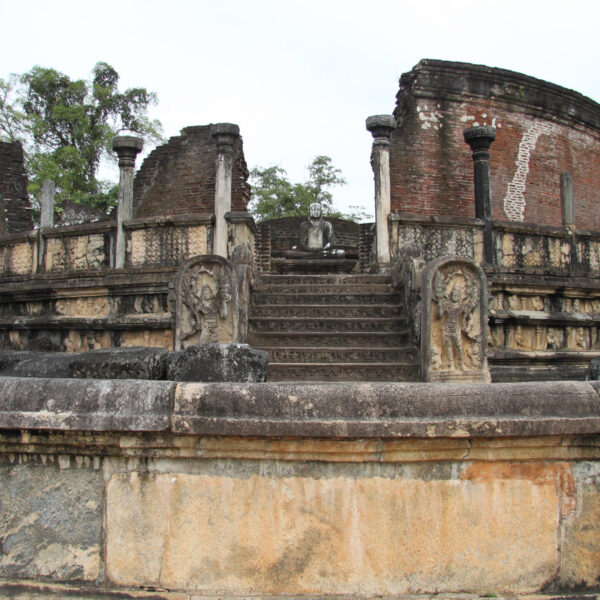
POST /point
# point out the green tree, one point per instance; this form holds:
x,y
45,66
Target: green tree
x,y
66,127
274,196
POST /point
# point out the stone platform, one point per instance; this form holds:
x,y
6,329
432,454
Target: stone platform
x,y
121,489
314,265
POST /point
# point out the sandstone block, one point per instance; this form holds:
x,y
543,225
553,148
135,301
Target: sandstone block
x,y
218,362
85,404
135,362
240,533
35,364
580,553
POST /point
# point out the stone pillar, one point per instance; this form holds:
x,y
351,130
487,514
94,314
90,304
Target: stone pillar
x,y
225,135
480,138
127,147
47,204
381,127
566,196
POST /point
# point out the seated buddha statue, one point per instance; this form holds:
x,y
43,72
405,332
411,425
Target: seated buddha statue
x,y
316,236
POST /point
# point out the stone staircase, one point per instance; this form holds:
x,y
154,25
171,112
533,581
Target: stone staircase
x,y
332,328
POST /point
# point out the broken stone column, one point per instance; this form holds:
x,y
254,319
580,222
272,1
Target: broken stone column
x,y
381,127
225,135
480,138
47,204
566,196
127,148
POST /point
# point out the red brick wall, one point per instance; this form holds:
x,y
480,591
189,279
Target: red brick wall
x,y
179,177
558,131
15,209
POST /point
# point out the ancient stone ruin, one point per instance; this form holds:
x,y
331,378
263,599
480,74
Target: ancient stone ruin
x,y
196,405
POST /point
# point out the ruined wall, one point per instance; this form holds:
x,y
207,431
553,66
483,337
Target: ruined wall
x,y
543,130
179,176
15,211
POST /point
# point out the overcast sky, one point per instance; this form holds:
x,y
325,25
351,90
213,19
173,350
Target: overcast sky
x,y
298,76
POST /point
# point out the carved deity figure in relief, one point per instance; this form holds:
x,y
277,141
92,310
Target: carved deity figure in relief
x,y
456,297
205,295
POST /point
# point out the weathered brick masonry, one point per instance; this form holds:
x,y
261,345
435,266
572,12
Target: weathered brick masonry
x,y
543,130
14,203
179,177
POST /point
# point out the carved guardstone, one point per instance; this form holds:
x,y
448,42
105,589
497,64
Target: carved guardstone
x,y
454,321
206,305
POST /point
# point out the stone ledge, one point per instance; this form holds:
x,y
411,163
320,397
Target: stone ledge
x,y
319,410
15,589
435,221
386,410
79,229
85,404
182,220
532,229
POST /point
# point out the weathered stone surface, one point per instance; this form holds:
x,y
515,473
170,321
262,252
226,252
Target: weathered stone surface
x,y
30,590
50,519
94,404
36,364
592,373
387,410
580,551
236,532
218,362
134,362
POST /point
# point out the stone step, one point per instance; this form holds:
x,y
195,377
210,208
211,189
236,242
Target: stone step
x,y
326,325
337,354
319,311
259,298
319,339
315,289
399,371
322,279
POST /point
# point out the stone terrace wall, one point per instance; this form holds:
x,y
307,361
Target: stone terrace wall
x,y
179,176
15,211
543,130
152,489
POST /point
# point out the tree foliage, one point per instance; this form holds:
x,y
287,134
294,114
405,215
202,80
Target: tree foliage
x,y
66,127
274,196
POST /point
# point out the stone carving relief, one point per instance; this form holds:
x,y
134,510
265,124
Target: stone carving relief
x,y
206,307
454,321
76,253
563,323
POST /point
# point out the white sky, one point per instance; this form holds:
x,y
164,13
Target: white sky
x,y
298,77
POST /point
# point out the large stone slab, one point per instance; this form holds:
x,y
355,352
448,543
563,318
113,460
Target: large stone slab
x,y
387,410
85,404
35,364
218,362
136,362
332,531
50,519
580,551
